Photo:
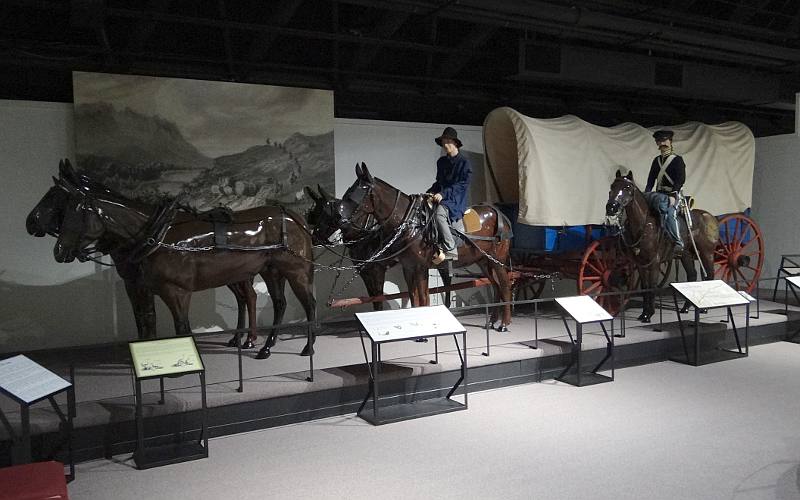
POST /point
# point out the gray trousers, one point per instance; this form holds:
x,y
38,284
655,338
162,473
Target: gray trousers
x,y
443,224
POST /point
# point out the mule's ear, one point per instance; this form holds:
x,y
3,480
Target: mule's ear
x,y
324,194
365,172
629,175
618,174
311,194
358,170
66,171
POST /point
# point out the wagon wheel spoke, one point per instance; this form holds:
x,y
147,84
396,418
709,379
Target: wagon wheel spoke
x,y
592,288
595,268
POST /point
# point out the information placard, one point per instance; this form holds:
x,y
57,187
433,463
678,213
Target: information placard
x,y
27,380
709,294
165,357
583,309
399,324
794,280
746,295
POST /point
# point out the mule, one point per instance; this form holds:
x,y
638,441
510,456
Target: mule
x,y
649,245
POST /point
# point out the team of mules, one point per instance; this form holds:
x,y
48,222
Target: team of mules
x,y
173,251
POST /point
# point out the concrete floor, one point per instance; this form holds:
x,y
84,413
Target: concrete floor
x,y
728,430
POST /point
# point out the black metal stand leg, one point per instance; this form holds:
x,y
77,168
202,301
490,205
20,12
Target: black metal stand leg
x,y
376,361
535,325
579,335
488,351
661,314
747,331
239,356
309,342
71,411
566,325
369,372
621,323
204,400
140,450
735,331
161,385
435,360
24,454
680,326
463,365
696,336
609,346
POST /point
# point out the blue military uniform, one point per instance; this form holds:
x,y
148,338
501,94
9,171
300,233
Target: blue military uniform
x,y
667,175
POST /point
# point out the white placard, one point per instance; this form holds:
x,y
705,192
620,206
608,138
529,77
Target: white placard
x,y
27,380
708,294
794,280
399,324
583,309
746,295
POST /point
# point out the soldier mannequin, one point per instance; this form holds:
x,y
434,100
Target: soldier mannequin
x,y
667,176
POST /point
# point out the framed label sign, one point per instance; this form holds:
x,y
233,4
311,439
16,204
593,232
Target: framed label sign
x,y
155,358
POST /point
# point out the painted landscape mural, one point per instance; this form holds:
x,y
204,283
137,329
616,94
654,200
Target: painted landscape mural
x,y
210,143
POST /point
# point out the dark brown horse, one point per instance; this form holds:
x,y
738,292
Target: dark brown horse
x,y
648,243
403,220
361,237
47,217
184,257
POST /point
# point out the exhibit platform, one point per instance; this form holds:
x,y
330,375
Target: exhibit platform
x,y
277,392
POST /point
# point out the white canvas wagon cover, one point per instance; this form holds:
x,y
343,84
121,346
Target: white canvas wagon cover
x,y
560,169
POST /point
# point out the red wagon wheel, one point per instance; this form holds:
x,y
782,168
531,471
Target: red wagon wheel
x,y
606,267
739,256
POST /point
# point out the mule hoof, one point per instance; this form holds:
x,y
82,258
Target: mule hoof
x,y
263,354
233,342
248,344
703,311
684,309
307,351
644,318
502,328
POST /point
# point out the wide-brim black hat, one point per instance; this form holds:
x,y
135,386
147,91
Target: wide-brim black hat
x,y
663,134
449,133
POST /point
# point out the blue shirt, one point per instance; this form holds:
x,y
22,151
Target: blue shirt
x,y
453,176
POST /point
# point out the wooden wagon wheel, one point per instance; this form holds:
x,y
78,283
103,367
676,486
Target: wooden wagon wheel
x,y
739,256
607,267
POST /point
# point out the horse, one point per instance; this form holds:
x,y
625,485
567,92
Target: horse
x,y
362,238
178,253
46,218
403,221
649,246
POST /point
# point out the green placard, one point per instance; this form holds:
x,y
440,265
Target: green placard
x,y
154,358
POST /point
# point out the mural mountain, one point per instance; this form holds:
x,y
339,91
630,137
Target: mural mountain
x,y
146,158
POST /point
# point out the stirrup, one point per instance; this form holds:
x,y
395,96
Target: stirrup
x,y
438,258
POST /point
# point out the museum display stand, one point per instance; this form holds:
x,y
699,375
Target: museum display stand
x,y
793,283
157,359
704,296
28,383
383,327
584,311
790,266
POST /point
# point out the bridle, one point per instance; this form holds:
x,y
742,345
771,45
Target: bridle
x,y
620,219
